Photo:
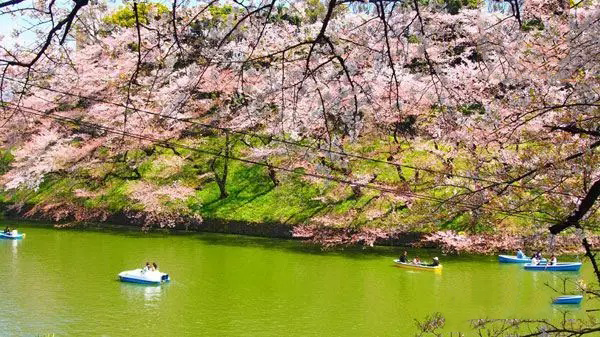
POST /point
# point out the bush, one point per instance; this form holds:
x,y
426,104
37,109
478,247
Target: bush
x,y
471,109
125,16
533,24
454,6
5,159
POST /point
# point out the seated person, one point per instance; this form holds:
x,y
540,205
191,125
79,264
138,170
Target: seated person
x,y
154,266
436,262
404,257
146,267
416,260
553,261
520,254
535,261
7,230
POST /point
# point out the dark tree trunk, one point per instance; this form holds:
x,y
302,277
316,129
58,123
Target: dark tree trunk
x,y
222,179
272,174
356,191
573,221
390,159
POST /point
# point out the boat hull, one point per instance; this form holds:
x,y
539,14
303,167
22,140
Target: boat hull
x,y
141,277
11,237
570,266
569,299
514,259
137,280
417,267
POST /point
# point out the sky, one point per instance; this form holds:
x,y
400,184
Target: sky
x,y
8,23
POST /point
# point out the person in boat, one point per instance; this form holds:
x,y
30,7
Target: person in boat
x,y
404,257
146,267
416,260
435,263
520,254
538,255
534,260
7,230
553,261
154,266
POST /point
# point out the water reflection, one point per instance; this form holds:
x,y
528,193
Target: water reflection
x,y
14,246
565,309
150,294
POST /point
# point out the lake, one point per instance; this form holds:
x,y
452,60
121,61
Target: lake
x,y
65,282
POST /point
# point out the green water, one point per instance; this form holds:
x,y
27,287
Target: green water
x,y
64,282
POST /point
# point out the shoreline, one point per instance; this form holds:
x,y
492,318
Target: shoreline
x,y
69,216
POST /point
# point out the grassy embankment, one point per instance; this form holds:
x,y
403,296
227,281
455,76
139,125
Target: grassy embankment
x,y
110,182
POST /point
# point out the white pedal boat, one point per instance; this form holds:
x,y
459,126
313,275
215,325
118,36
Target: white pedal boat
x,y
12,235
143,277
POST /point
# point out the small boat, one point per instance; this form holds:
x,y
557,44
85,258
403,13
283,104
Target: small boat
x,y
514,259
562,266
418,266
12,235
568,299
144,277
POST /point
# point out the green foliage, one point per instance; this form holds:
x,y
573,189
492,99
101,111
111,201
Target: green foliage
x,y
6,158
407,126
219,14
413,39
454,6
471,109
340,11
133,46
532,24
315,10
238,101
417,65
125,16
283,15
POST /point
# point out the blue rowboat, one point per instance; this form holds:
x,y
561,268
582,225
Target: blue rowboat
x,y
568,299
11,236
564,266
514,259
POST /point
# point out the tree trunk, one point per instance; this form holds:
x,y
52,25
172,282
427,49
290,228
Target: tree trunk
x,y
390,159
222,179
573,221
272,173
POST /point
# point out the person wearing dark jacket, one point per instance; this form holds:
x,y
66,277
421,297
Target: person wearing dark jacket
x,y
436,262
404,257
